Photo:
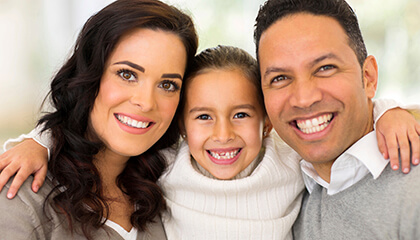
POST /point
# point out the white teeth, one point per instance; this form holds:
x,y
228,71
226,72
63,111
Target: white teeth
x,y
131,122
314,125
224,155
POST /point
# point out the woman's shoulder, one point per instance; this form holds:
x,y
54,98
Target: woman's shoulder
x,y
25,193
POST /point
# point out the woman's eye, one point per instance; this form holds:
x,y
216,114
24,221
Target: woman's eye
x,y
204,117
127,75
241,115
169,86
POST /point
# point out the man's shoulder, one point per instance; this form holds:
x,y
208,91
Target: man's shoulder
x,y
401,183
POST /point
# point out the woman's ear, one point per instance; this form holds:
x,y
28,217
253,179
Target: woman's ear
x,y
267,127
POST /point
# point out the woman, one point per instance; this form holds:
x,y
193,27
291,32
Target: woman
x,y
114,102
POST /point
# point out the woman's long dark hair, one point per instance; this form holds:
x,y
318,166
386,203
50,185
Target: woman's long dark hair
x,y
73,92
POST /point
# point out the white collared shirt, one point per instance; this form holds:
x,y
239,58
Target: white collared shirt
x,y
355,163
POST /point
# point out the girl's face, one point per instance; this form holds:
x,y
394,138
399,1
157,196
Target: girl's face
x,y
139,91
223,121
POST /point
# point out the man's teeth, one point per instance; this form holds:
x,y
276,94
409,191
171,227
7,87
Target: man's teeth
x,y
131,122
314,125
224,155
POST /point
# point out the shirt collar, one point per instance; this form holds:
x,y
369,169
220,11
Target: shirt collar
x,y
355,163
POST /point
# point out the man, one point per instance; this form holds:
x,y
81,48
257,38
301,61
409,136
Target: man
x,y
318,82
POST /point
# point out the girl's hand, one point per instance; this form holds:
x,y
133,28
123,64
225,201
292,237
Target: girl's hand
x,y
26,158
398,133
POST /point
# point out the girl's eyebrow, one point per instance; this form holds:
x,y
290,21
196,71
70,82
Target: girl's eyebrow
x,y
131,64
247,106
199,109
206,109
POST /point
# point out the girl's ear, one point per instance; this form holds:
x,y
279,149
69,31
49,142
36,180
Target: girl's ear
x,y
267,127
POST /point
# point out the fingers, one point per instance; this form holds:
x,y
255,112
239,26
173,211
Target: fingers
x,y
4,161
39,178
404,147
393,153
6,174
415,145
17,182
382,145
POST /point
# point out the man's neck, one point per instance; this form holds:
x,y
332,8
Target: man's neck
x,y
324,170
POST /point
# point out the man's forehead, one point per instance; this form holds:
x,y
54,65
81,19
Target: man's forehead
x,y
302,33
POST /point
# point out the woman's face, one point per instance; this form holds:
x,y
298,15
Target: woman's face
x,y
139,91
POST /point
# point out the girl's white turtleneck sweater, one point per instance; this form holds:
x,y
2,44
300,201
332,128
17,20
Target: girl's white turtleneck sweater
x,y
261,203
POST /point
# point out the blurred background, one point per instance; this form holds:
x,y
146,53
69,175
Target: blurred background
x,y
36,37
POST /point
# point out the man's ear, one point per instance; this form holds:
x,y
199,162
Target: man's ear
x,y
267,127
370,76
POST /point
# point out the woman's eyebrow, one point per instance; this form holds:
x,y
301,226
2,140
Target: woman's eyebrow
x,y
172,75
131,64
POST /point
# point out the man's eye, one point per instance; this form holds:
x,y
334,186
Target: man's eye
x,y
279,78
326,68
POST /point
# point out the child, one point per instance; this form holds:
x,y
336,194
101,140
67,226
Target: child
x,y
230,178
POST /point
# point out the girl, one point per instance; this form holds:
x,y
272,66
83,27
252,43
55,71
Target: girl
x,y
114,100
230,178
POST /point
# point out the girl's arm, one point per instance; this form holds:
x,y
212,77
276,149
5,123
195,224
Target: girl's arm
x,y
25,155
398,132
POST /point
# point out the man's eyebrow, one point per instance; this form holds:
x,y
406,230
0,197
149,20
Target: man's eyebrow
x,y
274,70
322,58
310,64
133,65
171,75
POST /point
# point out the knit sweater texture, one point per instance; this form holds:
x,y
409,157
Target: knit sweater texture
x,y
263,205
385,208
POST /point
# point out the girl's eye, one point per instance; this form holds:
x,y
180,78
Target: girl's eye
x,y
241,115
169,86
127,75
204,117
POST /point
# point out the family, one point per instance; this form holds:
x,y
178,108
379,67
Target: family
x,y
149,140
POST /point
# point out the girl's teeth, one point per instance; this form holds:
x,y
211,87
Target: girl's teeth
x,y
224,155
131,122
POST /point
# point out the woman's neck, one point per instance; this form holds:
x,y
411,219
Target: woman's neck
x,y
110,166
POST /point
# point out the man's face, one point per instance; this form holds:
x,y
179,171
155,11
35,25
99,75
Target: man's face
x,y
316,94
